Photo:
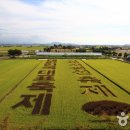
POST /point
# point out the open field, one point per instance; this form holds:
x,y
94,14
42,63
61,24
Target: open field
x,y
51,93
13,72
117,71
6,48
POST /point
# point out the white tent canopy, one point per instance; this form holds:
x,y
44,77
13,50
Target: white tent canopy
x,y
69,53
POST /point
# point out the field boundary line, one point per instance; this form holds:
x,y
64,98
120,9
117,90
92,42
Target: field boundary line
x,y
107,78
7,94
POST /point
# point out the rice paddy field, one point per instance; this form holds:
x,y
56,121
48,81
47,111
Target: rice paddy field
x,y
52,94
6,48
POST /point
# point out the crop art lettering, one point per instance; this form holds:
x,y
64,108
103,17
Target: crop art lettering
x,y
43,82
92,85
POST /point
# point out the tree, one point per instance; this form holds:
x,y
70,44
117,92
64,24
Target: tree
x,y
103,49
60,46
48,49
64,47
120,54
114,53
125,55
81,50
13,53
55,46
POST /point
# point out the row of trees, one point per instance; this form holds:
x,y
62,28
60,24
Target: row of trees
x,y
48,49
120,54
109,51
104,50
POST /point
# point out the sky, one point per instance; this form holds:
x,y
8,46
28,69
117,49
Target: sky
x,y
67,21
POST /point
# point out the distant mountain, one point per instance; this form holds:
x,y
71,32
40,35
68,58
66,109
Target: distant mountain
x,y
62,43
128,45
37,44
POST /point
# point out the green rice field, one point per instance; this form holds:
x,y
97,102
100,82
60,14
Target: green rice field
x,y
6,48
49,94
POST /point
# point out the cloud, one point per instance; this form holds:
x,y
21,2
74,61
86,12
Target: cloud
x,y
80,21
